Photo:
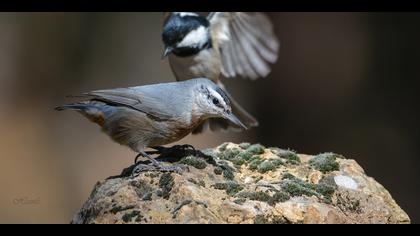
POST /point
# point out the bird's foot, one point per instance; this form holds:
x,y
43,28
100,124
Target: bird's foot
x,y
177,149
171,154
175,153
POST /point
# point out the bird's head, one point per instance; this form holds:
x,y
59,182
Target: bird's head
x,y
186,34
212,102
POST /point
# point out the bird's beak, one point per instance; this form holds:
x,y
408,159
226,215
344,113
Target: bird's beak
x,y
168,51
231,117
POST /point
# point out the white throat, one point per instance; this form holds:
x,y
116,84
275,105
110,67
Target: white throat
x,y
196,38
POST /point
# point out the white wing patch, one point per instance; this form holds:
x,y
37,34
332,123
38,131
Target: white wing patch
x,y
195,38
184,14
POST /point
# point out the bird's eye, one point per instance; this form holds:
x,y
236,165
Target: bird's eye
x,y
215,101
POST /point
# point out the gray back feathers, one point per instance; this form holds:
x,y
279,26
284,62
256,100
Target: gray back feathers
x,y
159,101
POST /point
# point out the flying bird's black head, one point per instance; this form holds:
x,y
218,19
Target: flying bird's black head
x,y
186,34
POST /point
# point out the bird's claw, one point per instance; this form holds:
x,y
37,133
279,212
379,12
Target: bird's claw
x,y
175,151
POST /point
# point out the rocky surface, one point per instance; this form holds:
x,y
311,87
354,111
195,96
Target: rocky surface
x,y
246,184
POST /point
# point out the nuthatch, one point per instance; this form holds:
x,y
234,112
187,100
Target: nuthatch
x,y
223,43
155,115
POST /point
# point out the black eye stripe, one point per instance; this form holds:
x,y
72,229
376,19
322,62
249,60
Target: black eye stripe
x,y
223,95
212,98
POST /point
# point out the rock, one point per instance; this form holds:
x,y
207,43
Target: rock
x,y
246,184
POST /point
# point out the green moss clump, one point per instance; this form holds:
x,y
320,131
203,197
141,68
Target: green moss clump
x,y
289,176
244,145
261,219
238,161
266,166
290,156
325,162
225,170
278,197
129,216
166,182
277,162
218,170
231,187
228,174
244,155
194,161
256,196
326,191
296,187
236,156
254,162
264,197
229,154
256,149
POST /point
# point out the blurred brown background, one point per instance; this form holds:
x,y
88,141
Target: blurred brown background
x,y
344,82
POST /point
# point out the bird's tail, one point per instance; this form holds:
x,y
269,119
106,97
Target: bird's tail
x,y
73,106
96,113
216,124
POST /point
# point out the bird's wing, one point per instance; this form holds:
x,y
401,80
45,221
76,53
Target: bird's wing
x,y
138,99
247,42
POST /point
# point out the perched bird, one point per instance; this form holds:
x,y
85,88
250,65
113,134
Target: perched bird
x,y
229,44
154,115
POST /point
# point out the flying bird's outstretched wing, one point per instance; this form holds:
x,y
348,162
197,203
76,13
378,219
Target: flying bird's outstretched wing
x,y
247,41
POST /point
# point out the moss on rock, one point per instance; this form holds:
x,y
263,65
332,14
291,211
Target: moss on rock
x,y
229,154
231,187
256,149
279,196
254,162
244,145
297,187
266,166
128,217
256,196
325,162
261,219
194,161
166,183
290,156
